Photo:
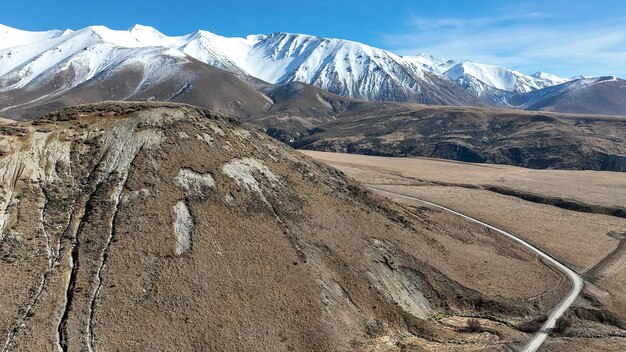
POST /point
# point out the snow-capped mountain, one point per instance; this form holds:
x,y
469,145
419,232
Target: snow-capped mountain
x,y
550,78
86,53
347,68
38,65
430,63
15,37
596,95
477,76
497,85
343,67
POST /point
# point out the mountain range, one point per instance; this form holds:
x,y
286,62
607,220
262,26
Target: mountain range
x,y
326,94
42,67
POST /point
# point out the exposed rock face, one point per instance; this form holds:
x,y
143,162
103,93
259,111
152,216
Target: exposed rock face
x,y
164,227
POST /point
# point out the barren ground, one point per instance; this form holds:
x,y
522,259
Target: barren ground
x,y
150,226
592,187
589,242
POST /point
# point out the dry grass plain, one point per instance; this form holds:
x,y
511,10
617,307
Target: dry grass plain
x,y
590,243
592,187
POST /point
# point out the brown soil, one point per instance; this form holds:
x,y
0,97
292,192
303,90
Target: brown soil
x,y
145,226
591,243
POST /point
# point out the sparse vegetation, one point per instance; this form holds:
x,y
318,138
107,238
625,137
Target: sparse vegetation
x,y
562,324
440,316
473,325
534,325
599,316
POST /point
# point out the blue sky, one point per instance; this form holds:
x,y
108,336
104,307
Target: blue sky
x,y
563,37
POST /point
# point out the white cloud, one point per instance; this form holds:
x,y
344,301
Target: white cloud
x,y
525,40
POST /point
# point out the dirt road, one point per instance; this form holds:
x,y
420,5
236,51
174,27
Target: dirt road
x,y
559,310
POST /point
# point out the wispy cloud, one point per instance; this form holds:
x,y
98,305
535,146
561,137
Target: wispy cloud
x,y
525,40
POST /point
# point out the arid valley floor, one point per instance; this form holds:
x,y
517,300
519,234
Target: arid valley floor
x,y
576,216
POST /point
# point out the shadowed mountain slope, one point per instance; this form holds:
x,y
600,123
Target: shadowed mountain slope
x,y
604,95
536,140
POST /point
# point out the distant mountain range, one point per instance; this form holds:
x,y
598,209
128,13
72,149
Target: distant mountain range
x,y
57,68
283,85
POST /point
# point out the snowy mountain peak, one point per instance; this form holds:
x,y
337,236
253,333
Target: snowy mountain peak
x,y
430,63
203,34
4,29
477,75
135,37
498,77
142,28
549,78
11,37
341,66
255,38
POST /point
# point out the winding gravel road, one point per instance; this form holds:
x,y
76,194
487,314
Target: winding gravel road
x,y
559,310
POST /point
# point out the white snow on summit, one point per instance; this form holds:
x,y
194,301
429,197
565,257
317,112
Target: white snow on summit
x,y
344,67
498,77
348,67
10,37
549,78
430,63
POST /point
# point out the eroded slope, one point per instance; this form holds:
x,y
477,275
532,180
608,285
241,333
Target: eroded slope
x,y
164,227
